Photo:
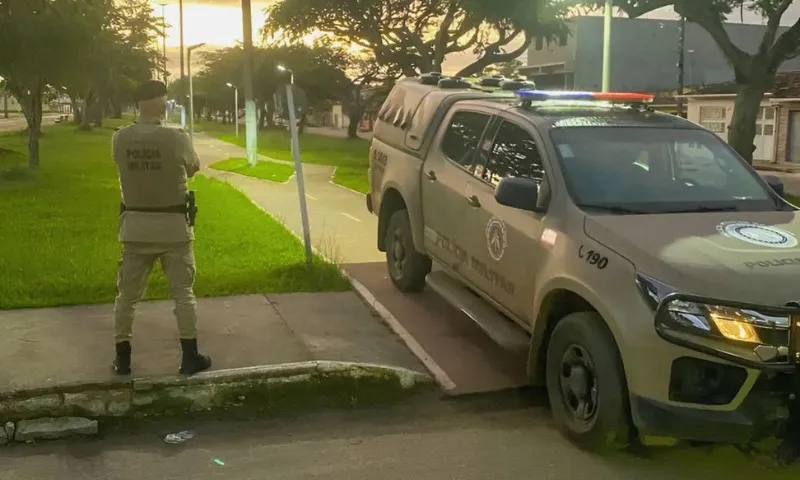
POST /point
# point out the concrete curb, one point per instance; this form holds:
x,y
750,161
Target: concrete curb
x,y
262,388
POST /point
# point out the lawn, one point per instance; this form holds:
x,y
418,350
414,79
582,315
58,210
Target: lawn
x,y
58,235
350,156
272,171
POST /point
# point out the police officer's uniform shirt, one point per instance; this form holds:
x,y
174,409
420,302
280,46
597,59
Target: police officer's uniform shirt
x,y
154,164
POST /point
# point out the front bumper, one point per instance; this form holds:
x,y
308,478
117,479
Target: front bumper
x,y
770,409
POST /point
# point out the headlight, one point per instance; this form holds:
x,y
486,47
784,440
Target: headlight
x,y
753,333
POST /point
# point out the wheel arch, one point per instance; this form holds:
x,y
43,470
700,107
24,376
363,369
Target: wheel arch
x,y
562,299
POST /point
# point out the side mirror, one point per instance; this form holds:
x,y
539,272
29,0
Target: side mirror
x,y
776,184
520,193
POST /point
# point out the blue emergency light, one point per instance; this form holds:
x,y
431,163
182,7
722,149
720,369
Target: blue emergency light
x,y
622,97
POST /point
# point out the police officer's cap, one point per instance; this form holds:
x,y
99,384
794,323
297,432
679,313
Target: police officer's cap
x,y
150,90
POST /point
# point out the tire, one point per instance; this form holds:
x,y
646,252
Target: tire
x,y
609,426
407,273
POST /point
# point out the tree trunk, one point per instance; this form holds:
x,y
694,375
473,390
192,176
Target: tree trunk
x,y
33,116
742,130
355,113
271,112
86,117
77,116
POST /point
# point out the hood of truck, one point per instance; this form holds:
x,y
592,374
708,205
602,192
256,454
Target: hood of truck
x,y
751,257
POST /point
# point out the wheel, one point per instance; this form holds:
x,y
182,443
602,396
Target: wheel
x,y
586,383
407,267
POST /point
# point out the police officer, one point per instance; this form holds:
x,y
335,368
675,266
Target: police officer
x,y
154,163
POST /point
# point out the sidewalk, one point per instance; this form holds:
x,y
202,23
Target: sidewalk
x,y
341,227
66,350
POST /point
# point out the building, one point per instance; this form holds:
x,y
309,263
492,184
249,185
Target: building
x,y
777,137
8,103
644,55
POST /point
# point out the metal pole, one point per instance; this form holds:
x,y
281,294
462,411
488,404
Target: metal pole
x,y
298,167
191,93
251,128
681,64
180,8
164,40
236,109
607,46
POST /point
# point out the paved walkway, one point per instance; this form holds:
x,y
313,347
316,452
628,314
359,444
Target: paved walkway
x,y
56,346
341,227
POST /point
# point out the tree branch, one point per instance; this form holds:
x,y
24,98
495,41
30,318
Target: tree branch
x,y
491,56
711,22
787,47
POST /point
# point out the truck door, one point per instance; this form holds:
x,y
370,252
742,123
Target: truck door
x,y
506,243
448,168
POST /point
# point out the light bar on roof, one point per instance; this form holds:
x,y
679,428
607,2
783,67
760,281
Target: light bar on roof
x,y
622,97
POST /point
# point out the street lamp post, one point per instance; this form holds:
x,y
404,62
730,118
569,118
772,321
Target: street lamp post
x,y
235,107
164,39
298,165
251,120
191,87
180,14
607,46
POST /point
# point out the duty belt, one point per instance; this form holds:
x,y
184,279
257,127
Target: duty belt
x,y
182,209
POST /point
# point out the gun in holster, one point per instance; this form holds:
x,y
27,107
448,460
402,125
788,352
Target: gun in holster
x,y
191,208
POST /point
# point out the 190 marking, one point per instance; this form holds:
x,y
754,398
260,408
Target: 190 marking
x,y
593,258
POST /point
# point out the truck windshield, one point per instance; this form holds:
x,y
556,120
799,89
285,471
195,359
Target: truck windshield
x,y
657,170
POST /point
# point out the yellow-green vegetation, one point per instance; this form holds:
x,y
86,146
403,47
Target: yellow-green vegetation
x,y
264,170
59,224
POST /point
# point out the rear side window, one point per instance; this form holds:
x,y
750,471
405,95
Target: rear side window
x,y
461,139
513,154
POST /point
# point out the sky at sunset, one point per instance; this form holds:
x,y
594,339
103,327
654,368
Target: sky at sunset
x,y
219,23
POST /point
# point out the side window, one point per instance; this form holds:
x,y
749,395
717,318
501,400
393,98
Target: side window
x,y
461,139
513,154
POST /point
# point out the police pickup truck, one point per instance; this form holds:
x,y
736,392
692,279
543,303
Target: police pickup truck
x,y
646,269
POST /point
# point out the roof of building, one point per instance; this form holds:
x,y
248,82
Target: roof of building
x,y
787,85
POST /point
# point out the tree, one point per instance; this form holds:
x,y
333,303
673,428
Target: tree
x,y
320,72
409,37
50,32
506,69
754,72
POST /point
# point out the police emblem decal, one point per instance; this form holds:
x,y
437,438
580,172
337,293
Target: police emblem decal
x,y
496,240
758,234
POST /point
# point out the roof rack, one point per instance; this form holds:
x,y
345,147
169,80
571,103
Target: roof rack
x,y
635,100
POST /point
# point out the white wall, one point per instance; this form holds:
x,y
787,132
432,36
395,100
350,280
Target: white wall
x,y
765,125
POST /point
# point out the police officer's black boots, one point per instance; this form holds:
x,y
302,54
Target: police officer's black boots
x,y
192,361
122,364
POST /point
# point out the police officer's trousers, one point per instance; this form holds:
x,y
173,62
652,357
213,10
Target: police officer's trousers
x,y
177,262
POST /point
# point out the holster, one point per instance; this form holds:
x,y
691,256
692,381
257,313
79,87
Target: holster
x,y
191,208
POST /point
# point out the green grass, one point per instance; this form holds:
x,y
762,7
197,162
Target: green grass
x,y
352,154
352,178
272,171
58,236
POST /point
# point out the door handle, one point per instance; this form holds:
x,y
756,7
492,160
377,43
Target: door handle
x,y
431,175
473,201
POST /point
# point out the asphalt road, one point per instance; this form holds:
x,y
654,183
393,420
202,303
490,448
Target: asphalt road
x,y
496,437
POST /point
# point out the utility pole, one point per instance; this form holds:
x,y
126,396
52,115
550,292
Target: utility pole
x,y
164,39
681,64
183,71
607,45
250,101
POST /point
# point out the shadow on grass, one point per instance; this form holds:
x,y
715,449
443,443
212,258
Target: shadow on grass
x,y
317,277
